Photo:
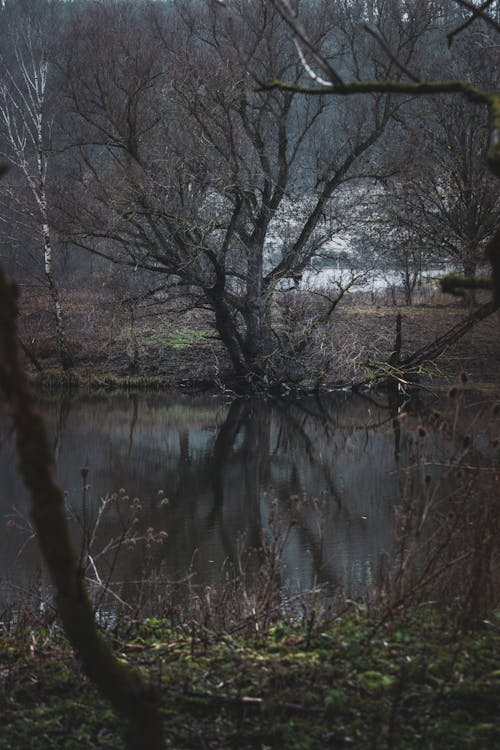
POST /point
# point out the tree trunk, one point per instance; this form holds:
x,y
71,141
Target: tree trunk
x,y
64,352
254,316
247,354
469,267
226,327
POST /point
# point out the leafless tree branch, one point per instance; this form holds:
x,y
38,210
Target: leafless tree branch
x,y
476,12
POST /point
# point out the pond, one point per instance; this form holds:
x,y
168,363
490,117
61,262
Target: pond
x,y
185,484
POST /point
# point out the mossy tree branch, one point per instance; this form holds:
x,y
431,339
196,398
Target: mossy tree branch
x,y
335,86
459,286
417,88
124,687
428,88
472,93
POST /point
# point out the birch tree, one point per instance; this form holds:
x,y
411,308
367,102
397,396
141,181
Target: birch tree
x,y
26,127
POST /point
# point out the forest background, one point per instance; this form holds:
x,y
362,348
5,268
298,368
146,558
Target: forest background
x,y
168,213
175,178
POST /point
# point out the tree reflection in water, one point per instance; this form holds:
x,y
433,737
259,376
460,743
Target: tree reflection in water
x,y
330,467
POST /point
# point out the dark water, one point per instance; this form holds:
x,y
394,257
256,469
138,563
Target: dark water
x,y
211,473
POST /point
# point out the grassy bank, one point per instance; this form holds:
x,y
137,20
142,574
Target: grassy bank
x,y
54,378
415,682
166,348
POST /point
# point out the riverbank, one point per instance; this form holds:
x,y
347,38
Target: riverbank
x,y
164,348
414,680
408,678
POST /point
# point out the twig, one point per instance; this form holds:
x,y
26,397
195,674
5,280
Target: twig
x,y
249,700
477,12
290,17
379,38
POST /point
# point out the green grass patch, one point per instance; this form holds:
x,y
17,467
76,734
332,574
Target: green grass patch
x,y
186,414
416,682
57,378
178,339
110,381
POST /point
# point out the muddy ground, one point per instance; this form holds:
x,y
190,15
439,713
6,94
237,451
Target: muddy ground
x,y
183,346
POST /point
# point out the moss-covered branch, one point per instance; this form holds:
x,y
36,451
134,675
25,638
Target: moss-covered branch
x,y
123,686
458,285
418,88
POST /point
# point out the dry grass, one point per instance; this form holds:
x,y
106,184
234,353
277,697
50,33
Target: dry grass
x,y
447,527
183,346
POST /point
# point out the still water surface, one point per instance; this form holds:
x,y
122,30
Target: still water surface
x,y
208,472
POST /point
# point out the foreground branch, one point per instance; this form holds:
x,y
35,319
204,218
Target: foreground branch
x,y
123,686
337,87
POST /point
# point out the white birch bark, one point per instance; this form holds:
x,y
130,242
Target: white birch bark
x,y
23,91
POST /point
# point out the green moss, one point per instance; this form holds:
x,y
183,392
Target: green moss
x,y
128,382
415,682
55,378
179,339
458,285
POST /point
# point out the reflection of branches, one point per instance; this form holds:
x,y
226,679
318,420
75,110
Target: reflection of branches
x,y
323,568
326,415
223,448
230,429
133,422
321,414
243,417
298,429
124,687
283,407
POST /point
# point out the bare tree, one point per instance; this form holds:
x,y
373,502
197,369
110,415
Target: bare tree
x,y
461,195
442,212
187,169
25,123
447,198
456,193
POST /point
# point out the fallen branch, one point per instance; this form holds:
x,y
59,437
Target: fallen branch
x,y
246,701
401,370
435,348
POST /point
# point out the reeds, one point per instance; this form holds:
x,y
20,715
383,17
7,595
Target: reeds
x,y
445,552
447,528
